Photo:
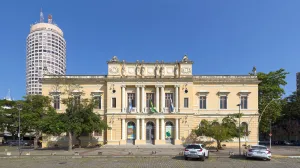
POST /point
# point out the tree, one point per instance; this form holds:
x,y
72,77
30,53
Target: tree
x,y
270,89
290,114
35,109
9,117
220,132
80,118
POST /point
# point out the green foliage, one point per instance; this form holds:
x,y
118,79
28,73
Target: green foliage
x,y
9,117
290,114
80,118
270,89
220,132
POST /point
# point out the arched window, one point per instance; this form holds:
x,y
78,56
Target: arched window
x,y
245,128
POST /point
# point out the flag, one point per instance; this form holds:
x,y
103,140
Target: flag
x,y
130,105
152,109
171,105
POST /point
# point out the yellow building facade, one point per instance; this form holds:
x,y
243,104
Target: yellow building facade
x,y
159,102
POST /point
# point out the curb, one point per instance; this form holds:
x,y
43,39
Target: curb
x,y
97,156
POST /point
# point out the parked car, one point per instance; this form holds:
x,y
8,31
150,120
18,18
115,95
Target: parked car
x,y
196,151
287,143
22,143
258,151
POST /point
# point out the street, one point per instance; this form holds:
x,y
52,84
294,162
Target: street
x,y
157,162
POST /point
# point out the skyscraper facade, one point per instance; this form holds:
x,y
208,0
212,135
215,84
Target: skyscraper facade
x,y
298,80
45,54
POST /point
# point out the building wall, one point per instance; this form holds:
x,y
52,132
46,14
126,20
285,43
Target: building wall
x,y
168,78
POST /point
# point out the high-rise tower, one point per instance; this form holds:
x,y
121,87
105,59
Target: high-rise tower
x,y
46,53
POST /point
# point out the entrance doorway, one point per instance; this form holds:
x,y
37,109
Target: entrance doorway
x,y
131,132
169,133
150,130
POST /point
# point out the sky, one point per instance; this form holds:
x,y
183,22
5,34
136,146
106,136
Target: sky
x,y
221,37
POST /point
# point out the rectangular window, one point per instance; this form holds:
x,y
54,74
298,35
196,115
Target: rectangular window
x,y
244,102
223,102
114,102
186,102
77,100
149,99
202,102
169,100
131,99
56,102
98,103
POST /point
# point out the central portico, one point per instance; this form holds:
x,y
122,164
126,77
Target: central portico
x,y
149,99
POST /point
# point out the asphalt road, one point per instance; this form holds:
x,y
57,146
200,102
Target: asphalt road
x,y
163,162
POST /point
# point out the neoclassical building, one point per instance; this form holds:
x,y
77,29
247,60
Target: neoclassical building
x,y
158,102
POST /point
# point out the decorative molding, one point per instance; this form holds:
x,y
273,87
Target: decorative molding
x,y
185,70
131,70
150,70
114,70
223,92
169,70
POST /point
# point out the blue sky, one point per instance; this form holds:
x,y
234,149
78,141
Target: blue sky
x,y
221,37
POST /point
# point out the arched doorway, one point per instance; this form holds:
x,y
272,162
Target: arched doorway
x,y
245,131
150,130
131,132
169,132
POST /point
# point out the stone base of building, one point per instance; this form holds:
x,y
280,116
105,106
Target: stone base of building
x,y
122,142
159,142
177,142
140,142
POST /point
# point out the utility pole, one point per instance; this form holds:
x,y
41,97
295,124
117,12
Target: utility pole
x,y
270,133
19,135
239,128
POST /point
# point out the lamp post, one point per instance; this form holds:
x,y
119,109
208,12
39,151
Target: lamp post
x,y
270,133
19,135
239,128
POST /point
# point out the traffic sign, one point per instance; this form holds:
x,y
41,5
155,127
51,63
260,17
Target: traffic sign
x,y
270,134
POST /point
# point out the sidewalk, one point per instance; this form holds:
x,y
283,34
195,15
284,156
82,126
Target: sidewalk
x,y
134,151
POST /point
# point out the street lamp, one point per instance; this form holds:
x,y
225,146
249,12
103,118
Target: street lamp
x,y
239,128
19,135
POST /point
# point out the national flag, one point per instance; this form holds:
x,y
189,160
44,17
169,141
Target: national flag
x,y
130,105
152,109
171,105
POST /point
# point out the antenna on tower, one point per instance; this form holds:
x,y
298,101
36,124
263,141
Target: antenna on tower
x,y
50,19
41,16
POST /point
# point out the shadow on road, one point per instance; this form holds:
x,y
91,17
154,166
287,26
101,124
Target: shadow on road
x,y
238,157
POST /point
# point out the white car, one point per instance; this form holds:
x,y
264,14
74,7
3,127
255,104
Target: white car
x,y
196,151
258,151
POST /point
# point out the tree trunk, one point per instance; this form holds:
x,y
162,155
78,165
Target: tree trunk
x,y
70,141
218,145
79,141
35,142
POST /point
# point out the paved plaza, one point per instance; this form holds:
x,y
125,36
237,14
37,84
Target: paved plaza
x,y
157,162
141,156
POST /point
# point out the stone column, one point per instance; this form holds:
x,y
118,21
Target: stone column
x,y
123,129
162,98
137,129
143,99
176,98
123,98
143,129
157,129
157,99
176,129
137,99
162,129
